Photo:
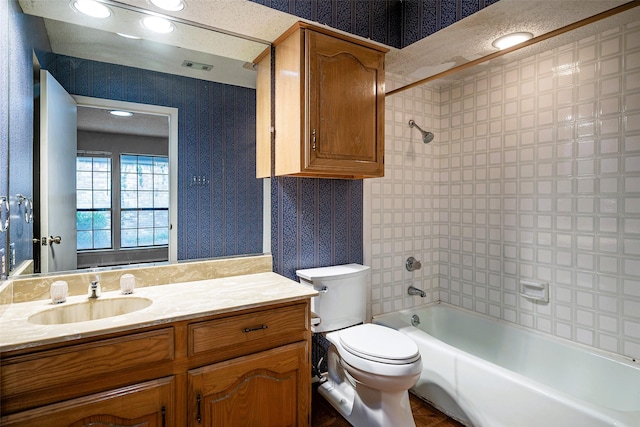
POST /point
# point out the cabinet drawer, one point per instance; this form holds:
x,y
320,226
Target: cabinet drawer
x,y
248,333
85,362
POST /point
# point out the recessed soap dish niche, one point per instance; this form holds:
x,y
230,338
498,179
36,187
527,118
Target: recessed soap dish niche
x,y
534,290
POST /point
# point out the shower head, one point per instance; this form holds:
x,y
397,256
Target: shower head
x,y
427,137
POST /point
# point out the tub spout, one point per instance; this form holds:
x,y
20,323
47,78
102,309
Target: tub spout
x,y
415,291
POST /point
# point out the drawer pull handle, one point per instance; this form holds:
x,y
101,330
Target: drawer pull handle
x,y
198,416
255,328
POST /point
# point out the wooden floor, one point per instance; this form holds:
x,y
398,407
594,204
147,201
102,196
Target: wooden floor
x,y
425,415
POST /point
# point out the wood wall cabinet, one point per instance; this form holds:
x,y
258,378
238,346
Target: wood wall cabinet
x,y
329,105
250,367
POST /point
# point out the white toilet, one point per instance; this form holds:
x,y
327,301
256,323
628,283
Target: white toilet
x,y
371,367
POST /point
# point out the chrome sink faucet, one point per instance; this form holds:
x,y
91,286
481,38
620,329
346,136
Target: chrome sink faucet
x,y
94,290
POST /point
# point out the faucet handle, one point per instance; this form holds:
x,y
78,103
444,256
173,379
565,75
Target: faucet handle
x,y
413,264
94,289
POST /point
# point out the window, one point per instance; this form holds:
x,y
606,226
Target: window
x,y
140,219
144,201
93,211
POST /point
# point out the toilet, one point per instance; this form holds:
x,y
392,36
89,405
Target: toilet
x,y
370,367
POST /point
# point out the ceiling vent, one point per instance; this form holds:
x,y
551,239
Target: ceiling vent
x,y
197,65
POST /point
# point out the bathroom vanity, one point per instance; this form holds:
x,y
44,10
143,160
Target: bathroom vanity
x,y
228,351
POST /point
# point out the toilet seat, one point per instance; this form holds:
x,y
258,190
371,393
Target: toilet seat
x,y
379,344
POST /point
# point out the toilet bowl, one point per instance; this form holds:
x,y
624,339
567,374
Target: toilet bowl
x,y
370,367
370,370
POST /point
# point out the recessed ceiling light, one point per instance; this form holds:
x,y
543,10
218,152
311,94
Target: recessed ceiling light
x,y
157,24
128,36
511,40
172,5
91,8
121,113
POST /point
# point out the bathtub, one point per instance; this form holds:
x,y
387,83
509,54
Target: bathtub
x,y
489,373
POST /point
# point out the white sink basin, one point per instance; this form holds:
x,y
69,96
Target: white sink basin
x,y
89,310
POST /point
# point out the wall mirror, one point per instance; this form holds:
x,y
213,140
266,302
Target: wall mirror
x,y
191,50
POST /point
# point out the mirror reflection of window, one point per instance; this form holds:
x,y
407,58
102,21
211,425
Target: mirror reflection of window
x,y
143,195
144,201
94,210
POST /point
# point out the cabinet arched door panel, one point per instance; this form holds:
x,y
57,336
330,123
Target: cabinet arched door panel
x,y
266,389
344,99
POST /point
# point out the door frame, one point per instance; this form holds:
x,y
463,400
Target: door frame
x,y
172,113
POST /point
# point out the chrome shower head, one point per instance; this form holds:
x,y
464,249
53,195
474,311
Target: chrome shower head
x,y
427,136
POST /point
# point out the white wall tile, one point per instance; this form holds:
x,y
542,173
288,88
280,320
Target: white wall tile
x,y
534,172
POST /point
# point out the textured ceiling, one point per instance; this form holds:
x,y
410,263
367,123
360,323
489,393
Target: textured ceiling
x,y
195,40
465,40
471,38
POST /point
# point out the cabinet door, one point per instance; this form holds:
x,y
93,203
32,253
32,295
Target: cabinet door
x,y
148,404
270,388
345,106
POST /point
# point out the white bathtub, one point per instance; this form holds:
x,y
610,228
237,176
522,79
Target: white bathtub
x,y
489,373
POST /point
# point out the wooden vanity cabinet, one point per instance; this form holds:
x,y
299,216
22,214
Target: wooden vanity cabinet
x,y
329,105
249,367
145,404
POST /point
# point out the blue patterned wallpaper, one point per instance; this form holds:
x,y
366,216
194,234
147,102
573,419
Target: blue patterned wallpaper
x,y
315,222
25,34
396,23
422,18
216,138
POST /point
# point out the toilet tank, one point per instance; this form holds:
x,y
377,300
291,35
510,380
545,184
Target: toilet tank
x,y
342,299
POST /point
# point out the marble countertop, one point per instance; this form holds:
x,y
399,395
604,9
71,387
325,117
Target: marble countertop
x,y
179,301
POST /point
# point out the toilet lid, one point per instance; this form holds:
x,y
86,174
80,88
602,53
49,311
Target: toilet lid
x,y
380,344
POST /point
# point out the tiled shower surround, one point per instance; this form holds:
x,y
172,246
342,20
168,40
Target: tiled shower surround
x,y
534,173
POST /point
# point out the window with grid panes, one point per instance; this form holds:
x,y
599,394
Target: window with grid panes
x,y
93,206
144,201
